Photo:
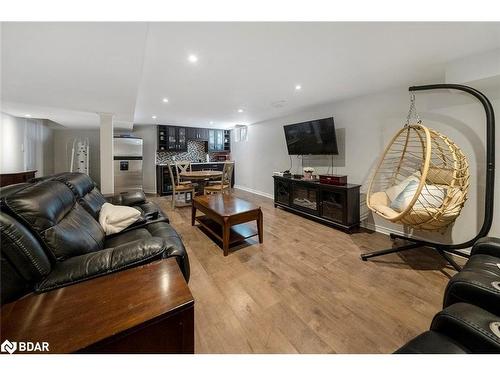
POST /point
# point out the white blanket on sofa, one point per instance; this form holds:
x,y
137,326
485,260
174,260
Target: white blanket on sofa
x,y
114,219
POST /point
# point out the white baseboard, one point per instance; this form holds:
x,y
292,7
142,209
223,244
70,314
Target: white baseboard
x,y
258,192
381,229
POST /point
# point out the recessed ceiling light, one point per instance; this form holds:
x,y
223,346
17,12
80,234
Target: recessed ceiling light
x,y
153,117
240,110
211,122
298,87
27,115
192,58
165,100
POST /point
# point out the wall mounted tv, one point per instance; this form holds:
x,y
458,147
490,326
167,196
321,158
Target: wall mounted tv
x,y
315,137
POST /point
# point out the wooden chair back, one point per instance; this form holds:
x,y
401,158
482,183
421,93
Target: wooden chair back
x,y
227,173
182,166
172,178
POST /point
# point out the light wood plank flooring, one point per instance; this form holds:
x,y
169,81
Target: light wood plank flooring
x,y
305,289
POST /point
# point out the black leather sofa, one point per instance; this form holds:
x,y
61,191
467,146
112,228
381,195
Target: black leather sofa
x,y
49,238
470,320
90,198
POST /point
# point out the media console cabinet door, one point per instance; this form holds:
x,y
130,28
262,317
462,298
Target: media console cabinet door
x,y
282,191
333,205
305,197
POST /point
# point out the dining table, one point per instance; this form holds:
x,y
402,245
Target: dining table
x,y
201,178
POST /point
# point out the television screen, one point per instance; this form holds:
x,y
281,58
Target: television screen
x,y
315,137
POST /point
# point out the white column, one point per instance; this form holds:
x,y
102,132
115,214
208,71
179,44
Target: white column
x,y
106,148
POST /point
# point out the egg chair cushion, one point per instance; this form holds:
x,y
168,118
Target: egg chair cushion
x,y
380,202
440,176
395,190
431,196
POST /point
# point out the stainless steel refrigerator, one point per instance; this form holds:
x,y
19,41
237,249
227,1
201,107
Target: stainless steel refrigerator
x,y
127,155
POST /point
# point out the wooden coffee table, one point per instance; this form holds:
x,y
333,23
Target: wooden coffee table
x,y
225,218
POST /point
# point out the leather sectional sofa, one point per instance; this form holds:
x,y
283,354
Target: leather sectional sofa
x,y
50,236
470,320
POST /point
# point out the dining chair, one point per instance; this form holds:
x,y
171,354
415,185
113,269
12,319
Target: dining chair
x,y
179,188
225,182
180,167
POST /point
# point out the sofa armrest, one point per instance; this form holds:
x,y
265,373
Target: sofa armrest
x,y
488,246
129,198
470,325
102,262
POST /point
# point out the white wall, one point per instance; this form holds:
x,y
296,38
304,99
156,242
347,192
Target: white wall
x,y
107,166
63,140
369,123
26,144
148,135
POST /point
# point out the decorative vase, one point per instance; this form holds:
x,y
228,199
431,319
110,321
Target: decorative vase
x,y
308,175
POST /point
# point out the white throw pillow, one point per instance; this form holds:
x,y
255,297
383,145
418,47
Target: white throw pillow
x,y
114,219
431,196
395,190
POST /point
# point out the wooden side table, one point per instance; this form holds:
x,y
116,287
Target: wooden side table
x,y
16,177
146,309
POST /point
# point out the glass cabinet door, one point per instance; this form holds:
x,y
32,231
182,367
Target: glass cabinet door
x,y
181,139
211,140
172,139
219,140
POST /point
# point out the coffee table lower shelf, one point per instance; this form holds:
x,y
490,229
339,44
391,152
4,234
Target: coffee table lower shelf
x,y
238,233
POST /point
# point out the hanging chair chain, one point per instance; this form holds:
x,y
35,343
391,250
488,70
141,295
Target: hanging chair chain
x,y
412,113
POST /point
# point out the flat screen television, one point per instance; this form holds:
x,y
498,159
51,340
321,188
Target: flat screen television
x,y
315,137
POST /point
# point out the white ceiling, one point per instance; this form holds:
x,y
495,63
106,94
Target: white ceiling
x,y
69,71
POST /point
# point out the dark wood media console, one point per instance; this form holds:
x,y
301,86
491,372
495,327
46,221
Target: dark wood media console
x,y
334,205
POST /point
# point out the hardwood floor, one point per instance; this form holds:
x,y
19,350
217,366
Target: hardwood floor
x,y
305,289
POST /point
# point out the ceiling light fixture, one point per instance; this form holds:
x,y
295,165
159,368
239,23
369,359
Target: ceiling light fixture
x,y
298,87
240,110
192,58
153,117
211,122
27,115
165,100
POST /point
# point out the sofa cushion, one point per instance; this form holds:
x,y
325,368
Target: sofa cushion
x,y
478,283
49,209
22,249
431,342
128,236
470,325
85,191
22,262
103,262
171,240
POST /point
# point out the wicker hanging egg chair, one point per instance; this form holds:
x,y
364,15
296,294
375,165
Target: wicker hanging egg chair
x,y
421,180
